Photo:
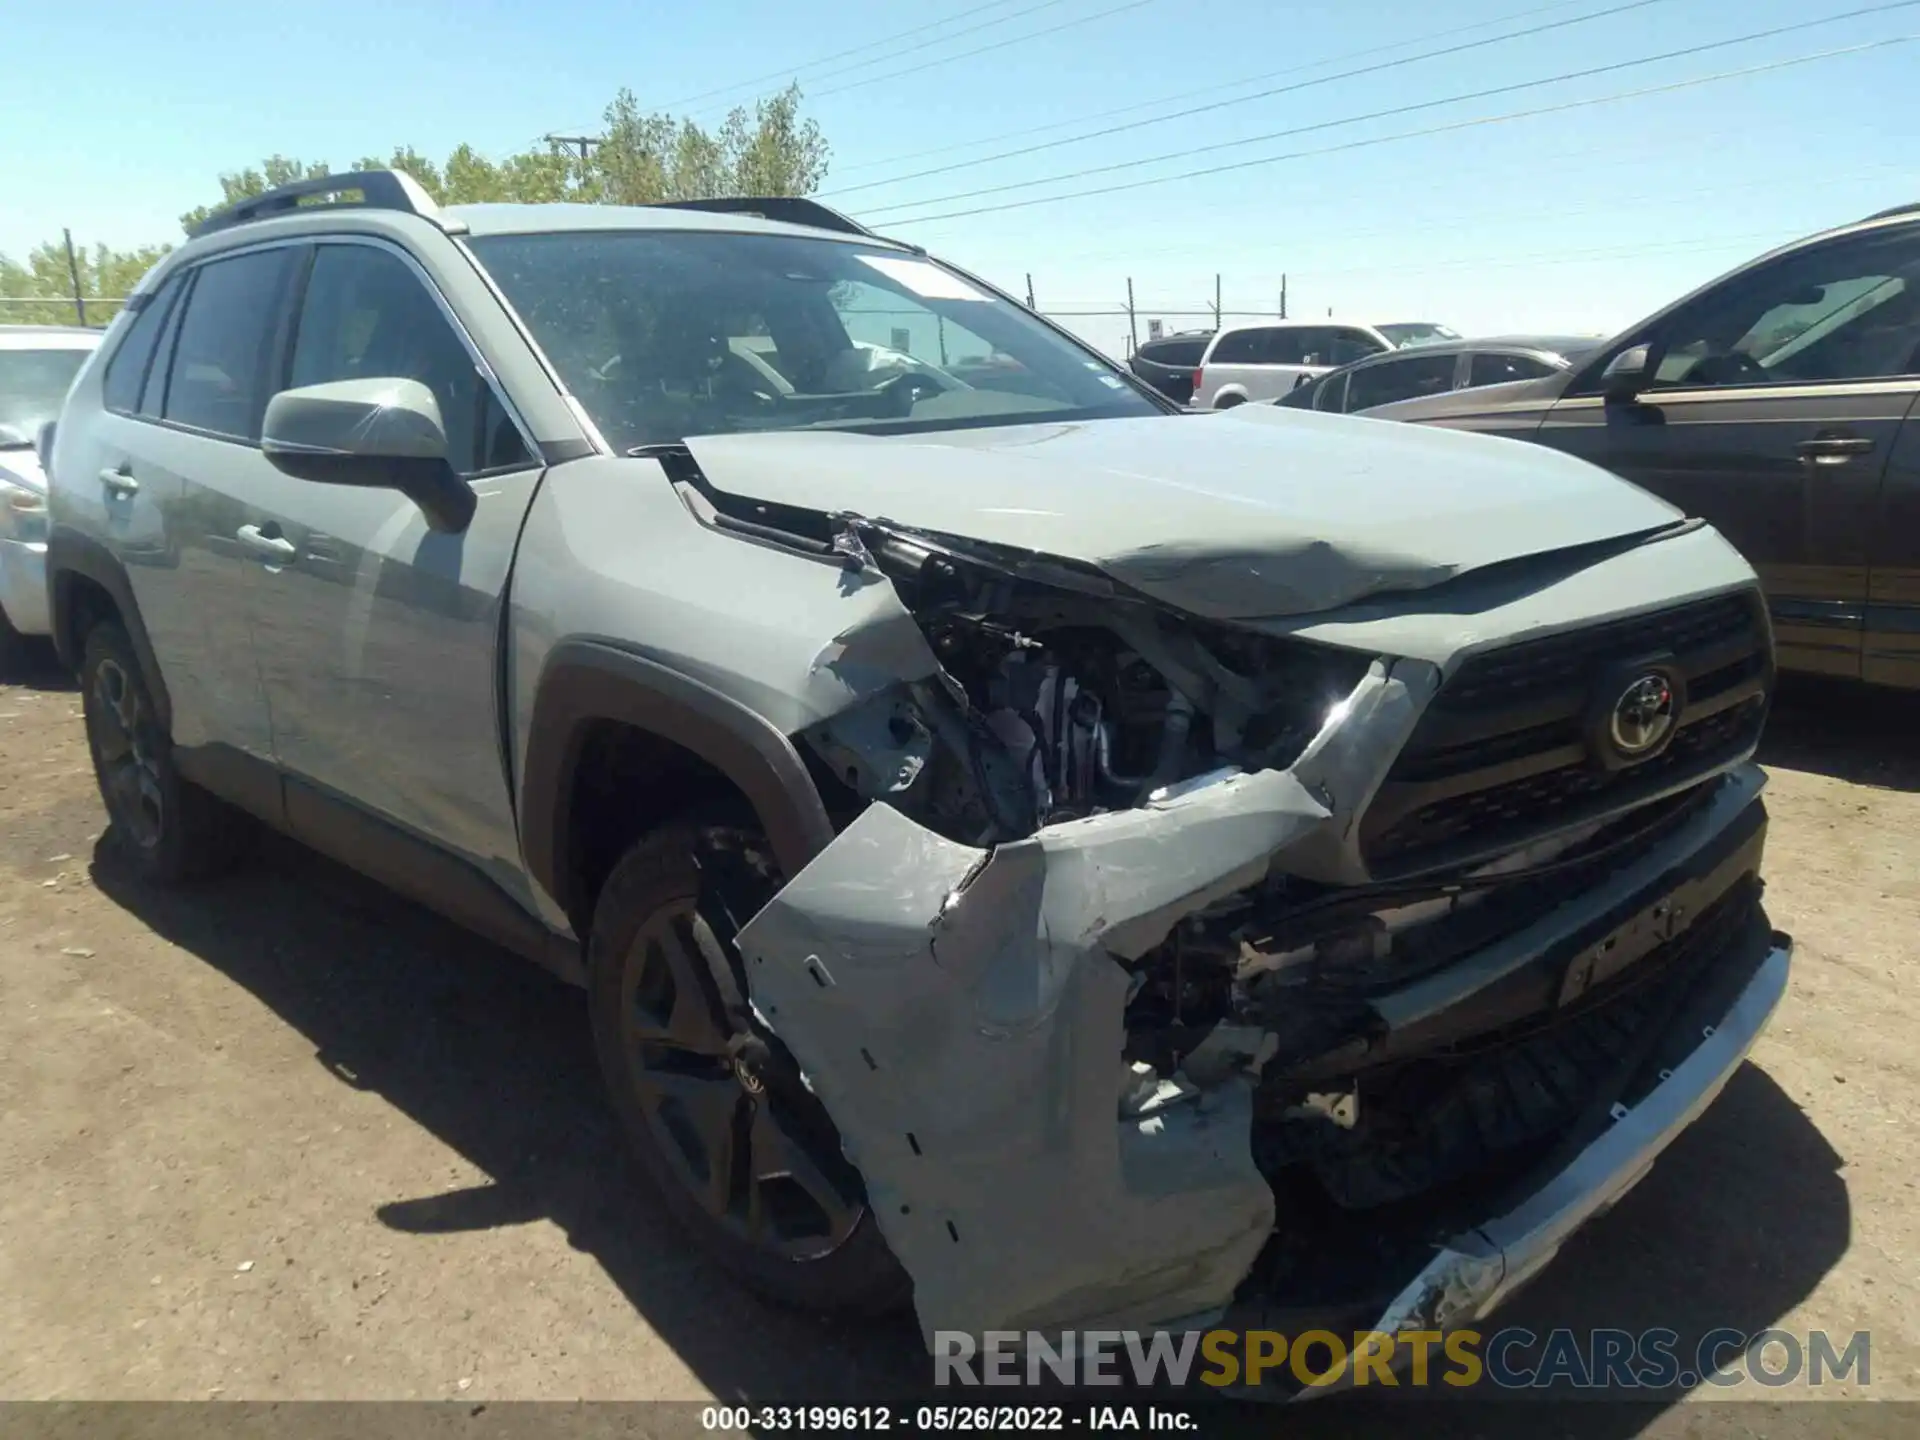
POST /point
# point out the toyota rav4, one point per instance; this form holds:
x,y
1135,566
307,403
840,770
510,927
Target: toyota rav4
x,y
1031,852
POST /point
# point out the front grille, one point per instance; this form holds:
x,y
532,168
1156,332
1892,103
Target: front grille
x,y
1501,755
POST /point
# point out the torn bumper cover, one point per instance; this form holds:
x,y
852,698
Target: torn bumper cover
x,y
961,1014
958,1013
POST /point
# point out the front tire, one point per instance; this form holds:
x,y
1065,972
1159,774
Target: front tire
x,y
739,1150
168,829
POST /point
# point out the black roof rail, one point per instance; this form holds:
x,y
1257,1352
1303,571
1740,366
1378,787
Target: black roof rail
x,y
787,209
1907,209
378,189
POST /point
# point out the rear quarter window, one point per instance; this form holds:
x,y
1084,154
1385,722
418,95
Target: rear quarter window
x,y
127,366
1498,369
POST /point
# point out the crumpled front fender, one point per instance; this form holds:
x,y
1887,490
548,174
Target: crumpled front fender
x,y
960,1013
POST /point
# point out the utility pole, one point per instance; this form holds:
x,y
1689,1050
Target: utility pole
x,y
1283,296
73,273
1133,330
573,144
1216,301
1030,290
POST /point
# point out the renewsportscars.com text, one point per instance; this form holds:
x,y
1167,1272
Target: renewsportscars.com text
x,y
1513,1358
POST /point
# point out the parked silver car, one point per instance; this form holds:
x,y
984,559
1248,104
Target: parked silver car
x,y
37,364
1437,369
1035,851
1265,361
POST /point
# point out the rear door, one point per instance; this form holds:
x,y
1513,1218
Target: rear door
x,y
1891,643
380,637
1777,401
179,449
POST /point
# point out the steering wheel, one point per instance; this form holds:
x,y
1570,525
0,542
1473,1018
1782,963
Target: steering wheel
x,y
906,390
1732,367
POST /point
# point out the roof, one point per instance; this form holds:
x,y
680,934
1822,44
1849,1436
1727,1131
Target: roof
x,y
481,220
1547,344
48,337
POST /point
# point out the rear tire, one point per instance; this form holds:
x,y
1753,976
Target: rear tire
x,y
167,828
16,650
741,1153
1227,402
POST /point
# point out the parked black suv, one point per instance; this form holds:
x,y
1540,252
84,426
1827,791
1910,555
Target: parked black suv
x,y
1781,403
1168,363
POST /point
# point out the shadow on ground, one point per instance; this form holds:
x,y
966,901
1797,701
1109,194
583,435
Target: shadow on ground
x,y
1856,733
1734,1227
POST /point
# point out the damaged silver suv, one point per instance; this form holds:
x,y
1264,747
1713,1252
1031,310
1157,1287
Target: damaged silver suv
x,y
1031,851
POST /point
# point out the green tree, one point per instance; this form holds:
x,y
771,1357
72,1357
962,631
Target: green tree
x,y
641,157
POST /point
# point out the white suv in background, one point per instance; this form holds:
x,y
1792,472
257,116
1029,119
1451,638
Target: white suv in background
x,y
1266,360
37,365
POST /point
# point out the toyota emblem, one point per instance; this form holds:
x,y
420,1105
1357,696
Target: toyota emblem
x,y
1642,715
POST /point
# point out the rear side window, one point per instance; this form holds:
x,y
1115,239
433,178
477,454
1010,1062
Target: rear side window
x,y
1182,354
127,369
1498,369
1240,347
219,380
1393,380
366,315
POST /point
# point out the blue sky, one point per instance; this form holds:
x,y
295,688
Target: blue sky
x,y
1578,220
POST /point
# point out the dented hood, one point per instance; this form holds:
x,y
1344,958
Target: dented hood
x,y
1250,513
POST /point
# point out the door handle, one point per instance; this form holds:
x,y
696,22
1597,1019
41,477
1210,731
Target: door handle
x,y
119,482
267,547
1834,449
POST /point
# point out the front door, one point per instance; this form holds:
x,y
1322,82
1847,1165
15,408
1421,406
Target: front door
x,y
380,637
1776,402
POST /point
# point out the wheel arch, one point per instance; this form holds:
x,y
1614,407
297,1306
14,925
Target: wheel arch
x,y
86,582
586,686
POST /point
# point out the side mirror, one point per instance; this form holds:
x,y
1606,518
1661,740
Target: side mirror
x,y
1626,375
382,433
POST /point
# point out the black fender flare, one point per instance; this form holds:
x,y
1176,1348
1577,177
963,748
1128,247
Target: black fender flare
x,y
583,682
73,556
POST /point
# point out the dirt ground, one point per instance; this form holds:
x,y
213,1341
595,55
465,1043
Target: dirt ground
x,y
288,1137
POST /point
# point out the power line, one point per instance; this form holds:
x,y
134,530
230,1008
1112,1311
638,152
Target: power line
x,y
1408,223
1385,139
789,70
1540,29
1138,106
984,49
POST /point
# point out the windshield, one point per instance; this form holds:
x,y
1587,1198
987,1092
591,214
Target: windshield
x,y
1418,332
32,385
666,334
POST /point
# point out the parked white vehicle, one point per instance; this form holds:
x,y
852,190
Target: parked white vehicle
x,y
37,365
1265,360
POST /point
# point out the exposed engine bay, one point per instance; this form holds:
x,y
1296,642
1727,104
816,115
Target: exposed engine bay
x,y
1058,699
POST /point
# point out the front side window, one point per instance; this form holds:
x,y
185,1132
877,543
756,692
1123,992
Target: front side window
x,y
33,383
1345,345
1393,380
1846,311
366,316
219,380
662,335
1332,394
1498,369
